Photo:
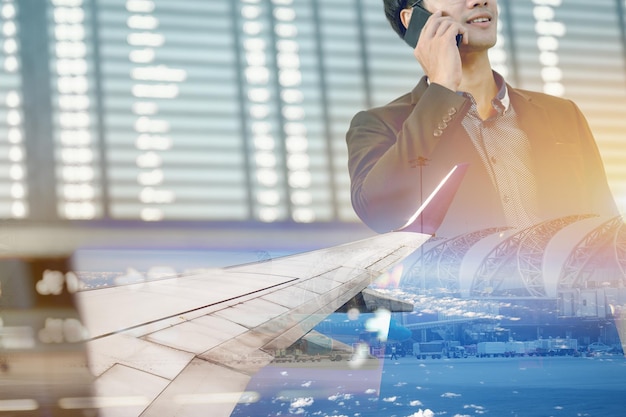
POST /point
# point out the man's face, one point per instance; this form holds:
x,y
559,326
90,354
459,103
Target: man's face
x,y
480,18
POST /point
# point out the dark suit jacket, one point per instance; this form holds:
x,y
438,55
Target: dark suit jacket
x,y
386,143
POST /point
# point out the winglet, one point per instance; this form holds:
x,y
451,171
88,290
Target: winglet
x,y
431,213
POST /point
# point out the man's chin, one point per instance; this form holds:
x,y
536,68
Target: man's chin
x,y
477,45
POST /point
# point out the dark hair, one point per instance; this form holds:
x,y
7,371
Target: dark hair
x,y
392,11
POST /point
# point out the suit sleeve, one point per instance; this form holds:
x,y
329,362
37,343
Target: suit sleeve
x,y
385,150
599,195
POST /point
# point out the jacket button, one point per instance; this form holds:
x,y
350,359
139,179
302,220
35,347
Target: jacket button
x,y
442,125
437,133
452,111
447,119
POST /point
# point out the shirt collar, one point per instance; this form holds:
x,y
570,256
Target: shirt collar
x,y
502,98
503,92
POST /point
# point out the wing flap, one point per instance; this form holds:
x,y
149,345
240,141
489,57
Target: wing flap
x,y
136,353
202,389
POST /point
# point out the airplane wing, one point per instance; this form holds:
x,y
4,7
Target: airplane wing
x,y
188,345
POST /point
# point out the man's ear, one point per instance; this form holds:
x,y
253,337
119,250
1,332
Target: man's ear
x,y
405,16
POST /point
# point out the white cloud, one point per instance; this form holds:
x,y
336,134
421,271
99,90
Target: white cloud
x,y
338,397
479,409
423,413
450,395
474,406
301,402
132,276
158,272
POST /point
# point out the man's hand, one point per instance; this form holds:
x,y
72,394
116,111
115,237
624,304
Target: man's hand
x,y
437,51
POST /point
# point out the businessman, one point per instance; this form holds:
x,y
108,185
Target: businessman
x,y
532,157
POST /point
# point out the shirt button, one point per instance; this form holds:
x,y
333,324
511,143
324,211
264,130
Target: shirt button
x,y
493,159
506,199
437,133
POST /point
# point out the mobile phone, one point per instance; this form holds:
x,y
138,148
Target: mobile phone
x,y
418,19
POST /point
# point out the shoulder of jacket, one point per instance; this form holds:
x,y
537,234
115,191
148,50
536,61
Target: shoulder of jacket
x,y
538,97
401,104
404,103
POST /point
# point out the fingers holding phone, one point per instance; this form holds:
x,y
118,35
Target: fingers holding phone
x,y
444,27
435,39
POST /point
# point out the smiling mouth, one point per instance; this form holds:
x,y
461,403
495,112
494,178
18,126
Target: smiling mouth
x,y
479,20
